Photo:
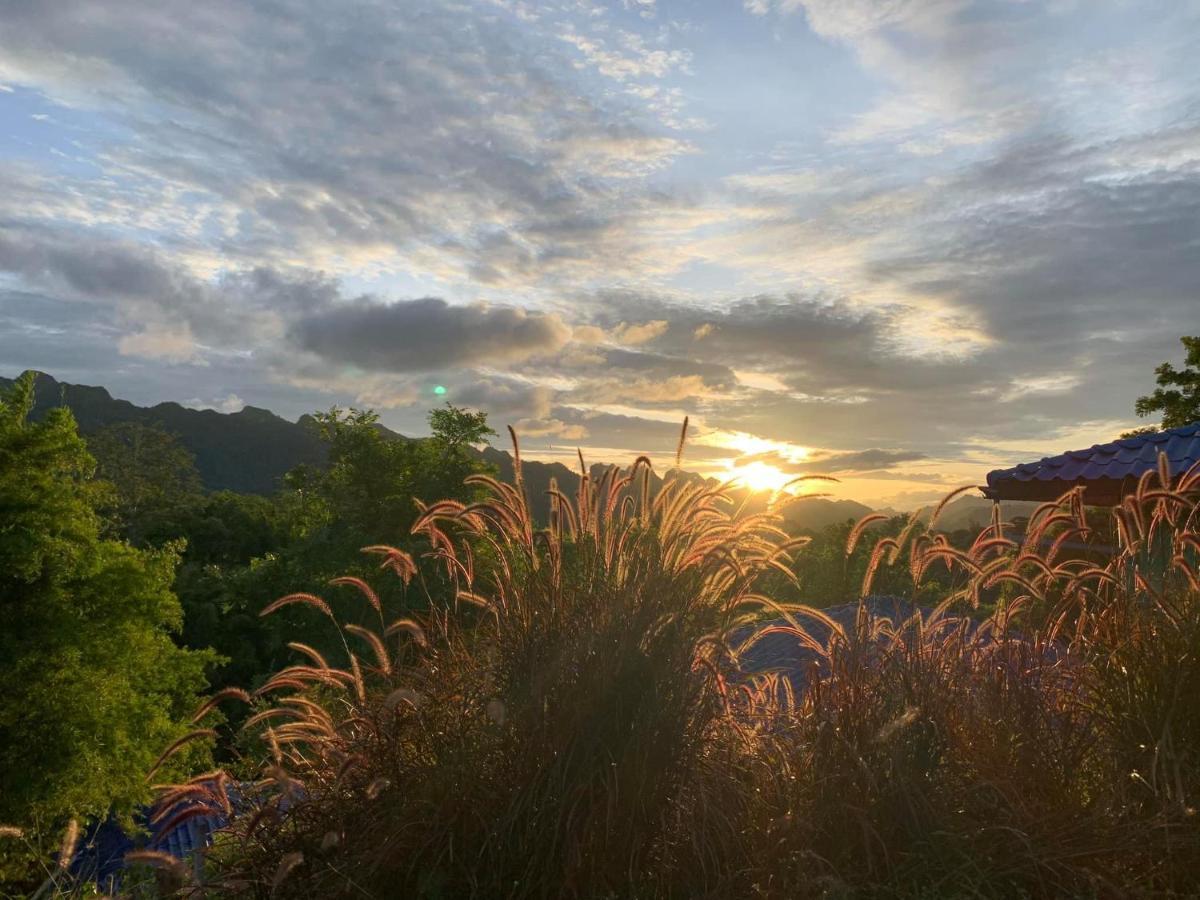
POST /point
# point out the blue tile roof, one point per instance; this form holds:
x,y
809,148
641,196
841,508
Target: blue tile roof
x,y
100,856
1103,469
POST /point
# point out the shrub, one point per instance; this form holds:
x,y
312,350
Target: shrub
x,y
1048,748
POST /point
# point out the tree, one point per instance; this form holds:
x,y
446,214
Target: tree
x,y
1177,396
449,456
373,477
364,495
150,471
455,428
94,686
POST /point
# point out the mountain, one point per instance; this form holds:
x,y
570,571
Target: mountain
x,y
816,513
247,451
250,451
972,513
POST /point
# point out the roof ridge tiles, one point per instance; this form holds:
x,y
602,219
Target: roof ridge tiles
x,y
1116,460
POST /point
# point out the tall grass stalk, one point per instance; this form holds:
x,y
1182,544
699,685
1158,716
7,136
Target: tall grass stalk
x,y
578,721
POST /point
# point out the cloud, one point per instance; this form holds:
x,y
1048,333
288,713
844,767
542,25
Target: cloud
x,y
230,403
641,333
961,74
550,428
645,391
453,138
977,242
160,343
816,344
167,310
506,399
632,59
416,335
860,460
827,462
172,312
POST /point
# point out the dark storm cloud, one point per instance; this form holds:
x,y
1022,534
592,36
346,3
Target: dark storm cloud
x,y
240,309
415,335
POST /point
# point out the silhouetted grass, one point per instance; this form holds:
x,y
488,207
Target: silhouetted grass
x,y
577,723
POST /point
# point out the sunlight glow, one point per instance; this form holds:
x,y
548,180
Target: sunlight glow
x,y
750,444
758,476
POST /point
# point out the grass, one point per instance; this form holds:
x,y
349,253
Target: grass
x,y
576,723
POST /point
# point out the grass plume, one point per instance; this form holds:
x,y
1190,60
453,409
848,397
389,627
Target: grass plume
x,y
581,718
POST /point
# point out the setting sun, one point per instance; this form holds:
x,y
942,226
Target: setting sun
x,y
759,476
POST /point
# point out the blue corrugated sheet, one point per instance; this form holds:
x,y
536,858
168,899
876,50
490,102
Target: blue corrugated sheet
x,y
100,857
783,654
1105,470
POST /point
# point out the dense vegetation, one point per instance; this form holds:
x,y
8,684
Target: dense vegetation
x,y
575,718
129,591
529,689
94,686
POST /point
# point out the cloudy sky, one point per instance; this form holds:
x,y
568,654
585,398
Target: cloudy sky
x,y
899,241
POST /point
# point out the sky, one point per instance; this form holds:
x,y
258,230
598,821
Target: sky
x,y
900,242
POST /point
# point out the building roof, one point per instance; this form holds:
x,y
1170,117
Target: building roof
x,y
1106,471
100,856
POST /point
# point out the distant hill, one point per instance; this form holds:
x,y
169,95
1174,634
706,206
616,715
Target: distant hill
x,y
815,513
972,513
247,451
250,451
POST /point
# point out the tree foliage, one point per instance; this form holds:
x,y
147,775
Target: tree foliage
x,y
1177,396
94,686
243,552
372,478
152,474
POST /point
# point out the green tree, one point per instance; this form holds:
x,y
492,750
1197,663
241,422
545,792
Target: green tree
x,y
455,428
151,472
1177,396
373,477
314,532
94,686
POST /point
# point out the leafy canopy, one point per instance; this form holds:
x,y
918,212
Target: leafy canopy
x,y
1177,396
302,537
152,474
94,686
373,476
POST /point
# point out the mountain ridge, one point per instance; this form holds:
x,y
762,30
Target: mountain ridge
x,y
250,450
247,451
